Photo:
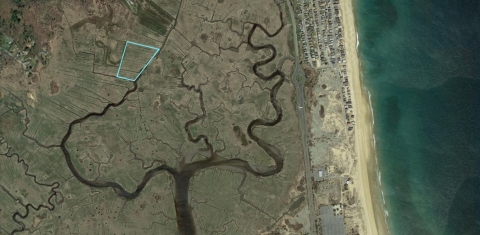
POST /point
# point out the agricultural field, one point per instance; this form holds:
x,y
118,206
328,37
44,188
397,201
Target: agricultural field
x,y
205,141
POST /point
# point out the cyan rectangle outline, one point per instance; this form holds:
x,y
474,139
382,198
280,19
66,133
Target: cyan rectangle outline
x,y
144,67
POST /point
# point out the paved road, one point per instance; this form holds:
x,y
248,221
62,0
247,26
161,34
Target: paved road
x,y
299,87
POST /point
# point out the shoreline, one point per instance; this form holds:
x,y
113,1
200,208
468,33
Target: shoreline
x,y
372,210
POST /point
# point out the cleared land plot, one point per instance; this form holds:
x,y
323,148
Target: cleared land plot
x,y
136,58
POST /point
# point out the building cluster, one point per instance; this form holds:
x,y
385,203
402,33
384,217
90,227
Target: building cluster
x,y
321,32
321,36
347,98
22,53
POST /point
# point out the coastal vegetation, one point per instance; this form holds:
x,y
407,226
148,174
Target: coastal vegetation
x,y
195,138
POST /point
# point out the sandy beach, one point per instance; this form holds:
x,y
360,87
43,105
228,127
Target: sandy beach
x,y
364,149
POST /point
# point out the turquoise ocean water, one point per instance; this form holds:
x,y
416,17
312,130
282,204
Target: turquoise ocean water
x,y
421,63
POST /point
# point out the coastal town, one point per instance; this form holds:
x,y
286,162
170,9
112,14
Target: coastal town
x,y
323,45
339,141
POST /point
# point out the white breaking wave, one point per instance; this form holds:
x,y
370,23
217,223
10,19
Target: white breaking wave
x,y
383,197
357,41
371,107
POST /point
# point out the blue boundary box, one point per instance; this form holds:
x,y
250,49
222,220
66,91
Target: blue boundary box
x,y
144,67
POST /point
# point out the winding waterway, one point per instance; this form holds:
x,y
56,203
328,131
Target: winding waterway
x,y
184,173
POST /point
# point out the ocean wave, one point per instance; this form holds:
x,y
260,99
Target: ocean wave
x,y
371,107
383,197
358,43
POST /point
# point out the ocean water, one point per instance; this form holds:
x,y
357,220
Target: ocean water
x,y
421,64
